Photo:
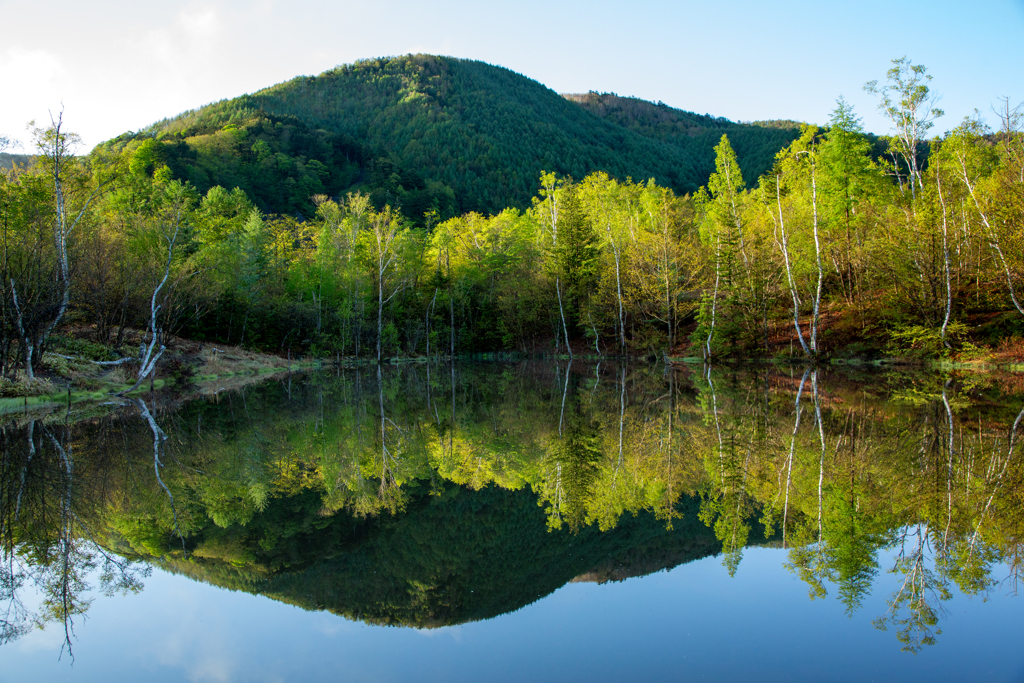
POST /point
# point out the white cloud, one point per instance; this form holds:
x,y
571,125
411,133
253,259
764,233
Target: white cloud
x,y
453,632
200,22
20,67
32,79
210,668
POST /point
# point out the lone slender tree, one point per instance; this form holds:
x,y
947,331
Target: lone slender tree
x,y
907,101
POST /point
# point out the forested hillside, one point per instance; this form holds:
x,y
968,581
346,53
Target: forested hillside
x,y
695,134
433,133
7,161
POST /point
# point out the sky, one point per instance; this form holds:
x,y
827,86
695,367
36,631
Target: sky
x,y
116,66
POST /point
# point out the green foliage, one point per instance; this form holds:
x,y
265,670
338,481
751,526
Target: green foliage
x,y
575,254
327,241
83,348
924,342
695,134
433,133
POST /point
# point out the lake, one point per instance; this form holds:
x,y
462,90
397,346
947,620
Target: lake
x,y
535,520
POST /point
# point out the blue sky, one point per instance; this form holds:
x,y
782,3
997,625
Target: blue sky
x,y
119,66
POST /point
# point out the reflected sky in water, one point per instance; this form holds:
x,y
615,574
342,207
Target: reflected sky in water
x,y
690,623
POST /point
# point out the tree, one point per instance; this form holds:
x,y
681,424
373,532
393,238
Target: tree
x,y
1006,187
908,102
177,202
381,242
783,242
848,181
664,255
991,192
722,226
56,150
547,207
606,202
254,264
799,164
575,253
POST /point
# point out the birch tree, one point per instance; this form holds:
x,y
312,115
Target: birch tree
x,y
381,241
547,208
604,199
811,155
178,202
974,163
908,102
1006,186
781,234
56,148
797,169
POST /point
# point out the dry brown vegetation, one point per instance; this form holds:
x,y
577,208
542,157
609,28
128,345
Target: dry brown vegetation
x,y
185,365
1010,350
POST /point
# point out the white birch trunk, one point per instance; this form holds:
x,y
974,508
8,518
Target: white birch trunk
x,y
945,258
784,247
714,297
817,254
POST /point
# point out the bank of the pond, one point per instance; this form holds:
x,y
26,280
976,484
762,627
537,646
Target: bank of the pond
x,y
75,369
186,368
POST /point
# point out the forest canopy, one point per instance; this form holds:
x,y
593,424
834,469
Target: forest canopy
x,y
422,132
290,219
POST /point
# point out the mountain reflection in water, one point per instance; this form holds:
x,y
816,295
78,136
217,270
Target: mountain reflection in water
x,y
430,495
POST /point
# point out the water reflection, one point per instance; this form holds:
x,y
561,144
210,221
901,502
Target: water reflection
x,y
431,495
46,541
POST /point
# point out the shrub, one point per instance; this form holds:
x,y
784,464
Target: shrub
x,y
69,346
182,372
918,341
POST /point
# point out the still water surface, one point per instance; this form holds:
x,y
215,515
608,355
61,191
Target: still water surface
x,y
521,521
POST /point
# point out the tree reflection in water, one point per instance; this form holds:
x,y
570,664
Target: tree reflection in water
x,y
429,495
47,542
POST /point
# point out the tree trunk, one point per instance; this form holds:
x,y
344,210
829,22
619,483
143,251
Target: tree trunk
x,y
714,297
380,312
561,313
21,331
618,286
817,255
784,247
945,258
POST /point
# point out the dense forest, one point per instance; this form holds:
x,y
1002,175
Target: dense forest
x,y
695,134
8,161
428,133
229,224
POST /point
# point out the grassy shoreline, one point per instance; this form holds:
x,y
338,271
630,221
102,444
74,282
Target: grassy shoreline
x,y
72,373
187,368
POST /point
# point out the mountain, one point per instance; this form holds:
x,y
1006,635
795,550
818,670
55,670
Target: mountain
x,y
455,555
426,132
695,134
7,161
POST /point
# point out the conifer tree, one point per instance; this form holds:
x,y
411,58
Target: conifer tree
x,y
575,254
